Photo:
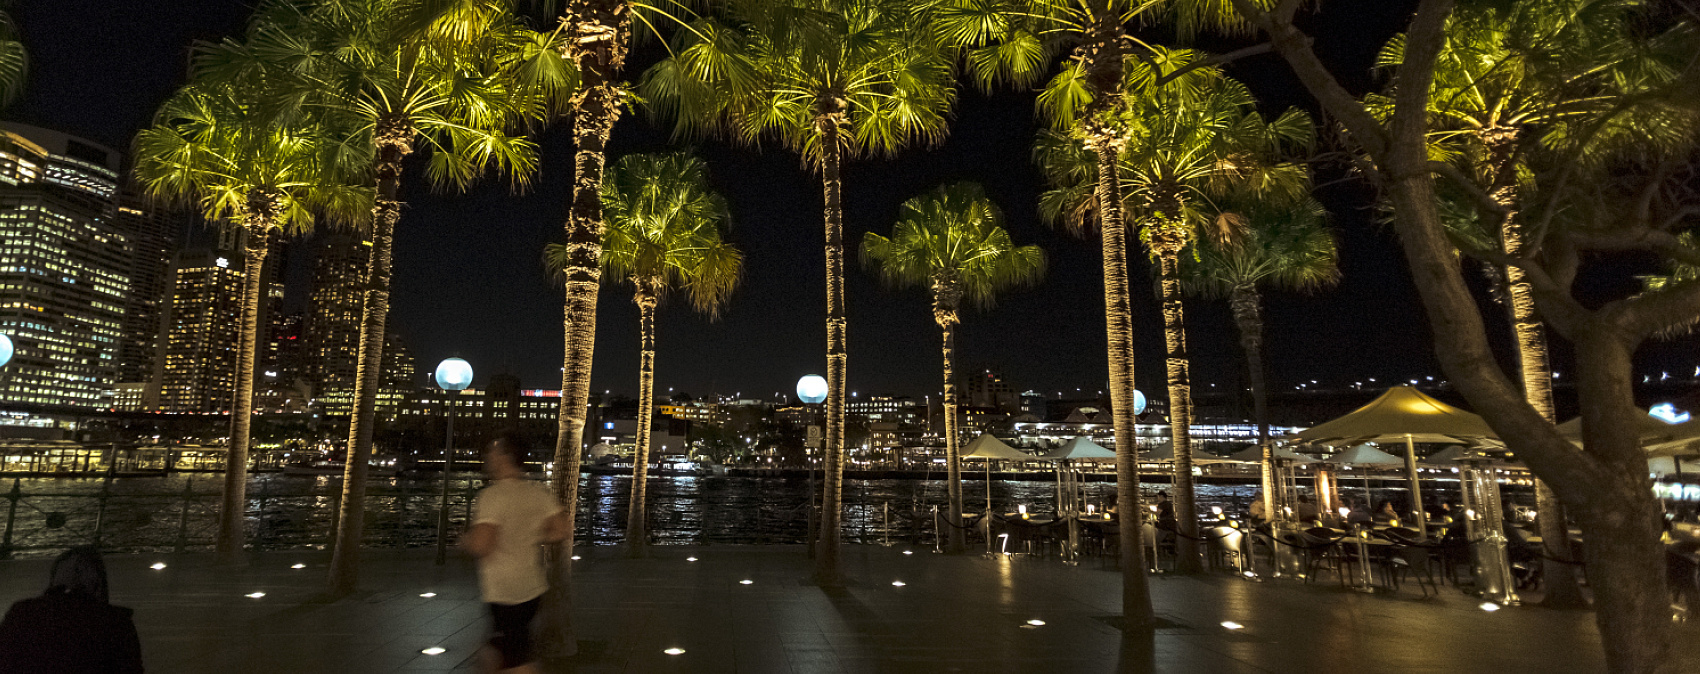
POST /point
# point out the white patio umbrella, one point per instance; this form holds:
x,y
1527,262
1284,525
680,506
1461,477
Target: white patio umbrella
x,y
988,448
1254,454
1403,413
1165,453
1659,437
1364,456
1078,448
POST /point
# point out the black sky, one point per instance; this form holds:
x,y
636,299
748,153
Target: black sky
x,y
468,280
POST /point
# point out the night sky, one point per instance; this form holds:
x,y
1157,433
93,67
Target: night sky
x,y
469,281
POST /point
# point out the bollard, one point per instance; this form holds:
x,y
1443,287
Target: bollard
x,y
14,496
183,515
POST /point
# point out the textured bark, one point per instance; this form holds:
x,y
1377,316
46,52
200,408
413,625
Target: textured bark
x,y
1529,334
1247,307
1167,241
394,140
637,529
1118,328
947,297
598,31
233,500
832,448
1103,52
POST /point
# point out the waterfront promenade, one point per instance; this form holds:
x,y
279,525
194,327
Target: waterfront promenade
x,y
967,614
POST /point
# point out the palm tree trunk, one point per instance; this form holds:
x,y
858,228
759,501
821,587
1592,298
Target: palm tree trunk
x,y
394,143
1179,369
637,533
597,34
1118,329
837,356
947,294
1558,581
1247,307
234,499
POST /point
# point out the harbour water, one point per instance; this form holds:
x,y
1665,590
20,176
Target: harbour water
x,y
173,512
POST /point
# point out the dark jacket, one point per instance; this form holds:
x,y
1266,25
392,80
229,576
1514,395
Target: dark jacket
x,y
59,633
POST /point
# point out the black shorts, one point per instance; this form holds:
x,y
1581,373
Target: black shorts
x,y
513,631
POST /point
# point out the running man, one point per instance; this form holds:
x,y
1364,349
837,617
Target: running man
x,y
511,519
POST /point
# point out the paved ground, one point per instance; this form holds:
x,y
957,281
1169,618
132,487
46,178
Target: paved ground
x,y
966,614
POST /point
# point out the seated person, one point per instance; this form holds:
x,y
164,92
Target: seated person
x,y
1386,514
1306,510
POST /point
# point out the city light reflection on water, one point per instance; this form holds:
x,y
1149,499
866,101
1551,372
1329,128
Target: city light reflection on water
x,y
294,512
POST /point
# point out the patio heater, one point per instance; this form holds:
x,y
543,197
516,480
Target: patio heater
x,y
1484,524
453,376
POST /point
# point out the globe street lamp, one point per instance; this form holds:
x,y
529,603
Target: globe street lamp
x,y
811,390
5,350
453,376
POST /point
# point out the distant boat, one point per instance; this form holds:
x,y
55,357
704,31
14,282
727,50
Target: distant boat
x,y
338,469
660,469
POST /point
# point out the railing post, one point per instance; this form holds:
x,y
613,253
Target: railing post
x,y
885,523
401,516
183,515
336,519
14,496
264,498
105,493
938,534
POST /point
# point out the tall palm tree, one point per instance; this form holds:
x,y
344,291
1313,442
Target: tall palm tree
x,y
459,79
1509,82
220,150
1264,244
663,234
1190,133
1011,41
14,60
831,80
952,240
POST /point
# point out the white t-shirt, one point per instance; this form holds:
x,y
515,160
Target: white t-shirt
x,y
513,572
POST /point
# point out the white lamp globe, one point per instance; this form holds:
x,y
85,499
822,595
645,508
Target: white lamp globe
x,y
5,350
811,388
1138,402
454,374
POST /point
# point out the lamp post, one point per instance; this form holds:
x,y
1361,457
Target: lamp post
x,y
811,390
453,376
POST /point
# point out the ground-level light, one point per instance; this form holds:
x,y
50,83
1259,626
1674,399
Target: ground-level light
x,y
674,651
435,650
157,566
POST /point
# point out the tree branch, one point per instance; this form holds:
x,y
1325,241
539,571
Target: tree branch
x,y
1653,312
1484,202
1556,305
1219,59
1295,47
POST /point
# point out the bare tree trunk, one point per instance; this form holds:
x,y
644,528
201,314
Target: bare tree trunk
x,y
394,143
1167,242
1247,308
1118,328
233,501
947,293
832,449
1625,559
637,531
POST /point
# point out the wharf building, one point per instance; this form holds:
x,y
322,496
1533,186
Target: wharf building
x,y
65,269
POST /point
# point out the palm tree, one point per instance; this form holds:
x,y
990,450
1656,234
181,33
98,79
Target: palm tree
x,y
1190,133
1264,245
952,240
1012,41
456,79
218,150
14,61
831,80
1507,84
664,233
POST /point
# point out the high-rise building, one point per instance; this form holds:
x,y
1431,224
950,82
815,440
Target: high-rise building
x,y
201,342
333,331
333,319
153,232
64,268
987,388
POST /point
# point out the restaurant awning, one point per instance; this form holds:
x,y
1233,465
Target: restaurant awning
x,y
1165,453
1399,414
1364,455
988,447
1079,448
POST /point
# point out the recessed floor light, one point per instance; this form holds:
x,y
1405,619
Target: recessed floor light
x,y
898,583
1489,606
908,552
1229,624
575,558
746,582
428,595
157,566
690,559
1036,622
435,650
674,651
254,595
299,566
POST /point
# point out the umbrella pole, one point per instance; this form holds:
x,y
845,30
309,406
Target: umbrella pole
x,y
1418,515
